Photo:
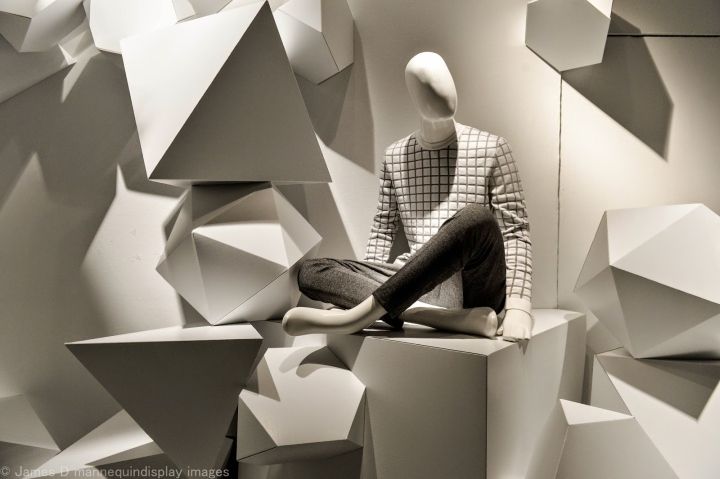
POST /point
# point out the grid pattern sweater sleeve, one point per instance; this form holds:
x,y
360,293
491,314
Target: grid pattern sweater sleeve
x,y
385,221
508,203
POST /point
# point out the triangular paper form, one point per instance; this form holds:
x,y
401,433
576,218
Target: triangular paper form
x,y
603,392
702,341
179,384
165,88
682,256
672,311
576,413
118,436
231,276
337,26
310,12
600,295
630,228
271,302
597,258
21,424
237,115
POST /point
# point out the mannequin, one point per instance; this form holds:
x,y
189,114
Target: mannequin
x,y
471,242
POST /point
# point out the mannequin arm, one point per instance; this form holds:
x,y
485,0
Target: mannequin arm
x,y
385,221
517,325
508,203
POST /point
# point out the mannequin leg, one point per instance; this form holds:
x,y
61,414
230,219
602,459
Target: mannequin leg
x,y
470,241
344,282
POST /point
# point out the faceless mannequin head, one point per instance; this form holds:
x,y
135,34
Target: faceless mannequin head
x,y
431,87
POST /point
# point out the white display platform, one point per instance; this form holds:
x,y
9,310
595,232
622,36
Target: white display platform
x,y
449,405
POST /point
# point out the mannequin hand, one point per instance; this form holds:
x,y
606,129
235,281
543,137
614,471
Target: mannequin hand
x,y
517,325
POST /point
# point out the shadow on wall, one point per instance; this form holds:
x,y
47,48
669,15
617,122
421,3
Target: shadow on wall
x,y
628,87
58,160
340,110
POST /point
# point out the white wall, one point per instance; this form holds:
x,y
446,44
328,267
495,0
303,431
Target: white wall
x,y
77,247
604,166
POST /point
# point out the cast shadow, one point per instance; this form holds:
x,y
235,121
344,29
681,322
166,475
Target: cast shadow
x,y
134,173
628,87
339,109
59,145
687,386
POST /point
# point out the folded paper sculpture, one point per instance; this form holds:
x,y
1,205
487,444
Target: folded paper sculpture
x,y
111,21
301,403
677,404
594,443
568,33
227,109
179,384
24,440
652,277
38,25
117,440
233,250
318,36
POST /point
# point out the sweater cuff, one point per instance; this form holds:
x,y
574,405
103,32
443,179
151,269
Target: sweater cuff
x,y
518,303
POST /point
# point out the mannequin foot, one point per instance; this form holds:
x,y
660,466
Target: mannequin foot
x,y
476,321
299,321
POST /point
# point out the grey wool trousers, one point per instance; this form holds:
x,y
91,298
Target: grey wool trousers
x,y
469,242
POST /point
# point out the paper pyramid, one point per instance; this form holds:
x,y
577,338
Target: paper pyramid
x,y
568,33
225,107
652,277
677,404
38,25
24,440
112,20
179,384
233,250
318,36
595,443
287,414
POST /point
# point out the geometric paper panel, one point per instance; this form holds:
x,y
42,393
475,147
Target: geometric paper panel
x,y
318,36
449,405
652,277
23,70
24,440
179,384
233,250
677,404
116,440
300,404
112,20
226,107
595,443
38,25
568,33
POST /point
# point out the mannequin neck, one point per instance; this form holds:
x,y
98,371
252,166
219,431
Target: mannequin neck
x,y
436,134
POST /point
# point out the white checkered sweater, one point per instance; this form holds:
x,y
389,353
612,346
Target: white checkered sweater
x,y
424,187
